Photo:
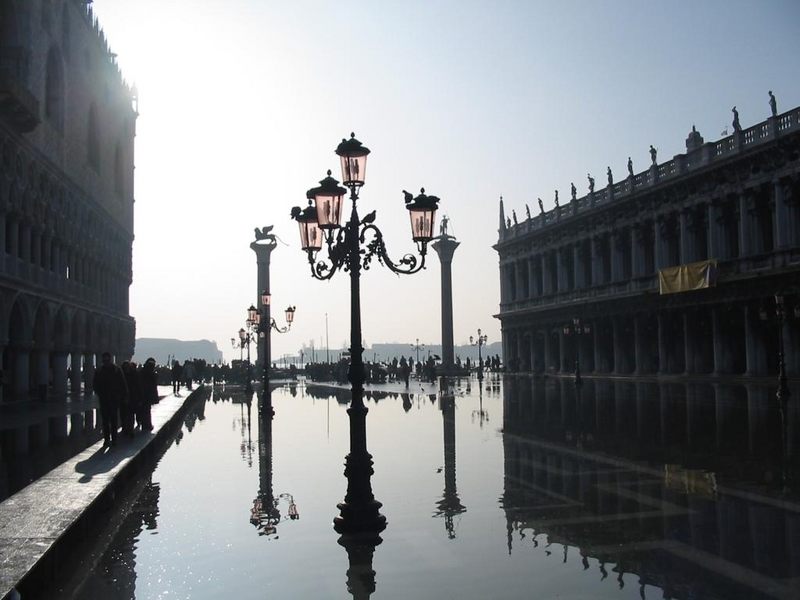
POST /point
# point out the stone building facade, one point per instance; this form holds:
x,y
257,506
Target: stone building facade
x,y
67,127
733,203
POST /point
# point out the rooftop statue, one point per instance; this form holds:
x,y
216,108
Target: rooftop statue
x,y
610,176
736,125
514,217
528,211
591,183
541,206
773,104
556,198
630,167
573,191
653,154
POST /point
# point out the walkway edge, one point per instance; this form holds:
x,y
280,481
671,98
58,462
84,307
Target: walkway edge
x,y
41,524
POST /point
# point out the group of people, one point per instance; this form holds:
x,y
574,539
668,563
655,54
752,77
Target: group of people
x,y
126,394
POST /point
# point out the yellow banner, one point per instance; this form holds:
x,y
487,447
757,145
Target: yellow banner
x,y
685,278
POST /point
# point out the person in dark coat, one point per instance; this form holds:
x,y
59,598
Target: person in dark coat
x,y
111,390
149,386
129,408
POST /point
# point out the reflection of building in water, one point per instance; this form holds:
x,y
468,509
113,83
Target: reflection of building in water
x,y
450,504
683,485
67,129
723,219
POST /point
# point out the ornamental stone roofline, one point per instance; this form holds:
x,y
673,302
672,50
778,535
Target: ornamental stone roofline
x,y
698,157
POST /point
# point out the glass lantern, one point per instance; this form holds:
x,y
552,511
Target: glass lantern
x,y
266,298
353,157
328,201
310,233
242,335
422,211
290,314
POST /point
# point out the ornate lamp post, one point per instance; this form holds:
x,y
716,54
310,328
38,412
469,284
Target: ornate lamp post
x,y
266,324
351,248
246,338
417,346
479,342
577,329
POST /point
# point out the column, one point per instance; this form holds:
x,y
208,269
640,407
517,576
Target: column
x,y
60,374
688,344
548,361
36,246
503,285
2,239
782,214
533,288
658,248
616,340
521,271
596,348
547,279
88,372
713,234
75,368
638,347
754,346
13,236
445,246
745,247
687,255
21,353
577,264
637,252
617,239
663,360
562,352
597,262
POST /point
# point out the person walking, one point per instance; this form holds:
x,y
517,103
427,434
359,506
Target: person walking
x,y
109,385
177,372
149,386
129,408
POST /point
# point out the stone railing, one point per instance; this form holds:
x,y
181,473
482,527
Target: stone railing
x,y
707,154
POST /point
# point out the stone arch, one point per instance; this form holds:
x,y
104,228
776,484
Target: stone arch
x,y
62,329
78,334
20,322
54,88
43,325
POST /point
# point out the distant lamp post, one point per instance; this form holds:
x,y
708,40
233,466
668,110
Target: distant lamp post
x,y
353,247
781,313
417,346
577,329
247,335
479,342
266,324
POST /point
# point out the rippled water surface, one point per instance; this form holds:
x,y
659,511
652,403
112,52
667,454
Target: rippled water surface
x,y
526,488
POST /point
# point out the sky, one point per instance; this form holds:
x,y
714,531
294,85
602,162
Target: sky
x,y
242,103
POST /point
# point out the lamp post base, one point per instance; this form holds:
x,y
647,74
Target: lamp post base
x,y
360,512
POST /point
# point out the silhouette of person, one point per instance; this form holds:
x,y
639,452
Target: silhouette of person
x,y
109,385
736,125
773,104
148,380
653,154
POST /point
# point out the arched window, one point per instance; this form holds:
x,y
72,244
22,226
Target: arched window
x,y
93,139
54,90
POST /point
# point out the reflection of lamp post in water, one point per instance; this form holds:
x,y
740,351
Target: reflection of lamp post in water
x,y
577,329
480,413
265,514
450,504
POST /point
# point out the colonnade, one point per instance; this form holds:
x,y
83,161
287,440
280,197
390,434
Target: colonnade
x,y
747,224
717,339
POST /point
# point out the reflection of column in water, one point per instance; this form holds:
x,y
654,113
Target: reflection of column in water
x,y
450,504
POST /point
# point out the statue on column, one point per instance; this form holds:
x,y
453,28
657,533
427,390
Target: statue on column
x,y
541,206
610,176
591,183
773,104
653,154
443,226
573,191
736,125
630,167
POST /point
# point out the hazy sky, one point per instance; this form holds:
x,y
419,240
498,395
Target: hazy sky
x,y
242,103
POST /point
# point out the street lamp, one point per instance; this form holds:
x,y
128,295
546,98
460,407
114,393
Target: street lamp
x,y
417,346
479,342
321,219
266,324
577,329
782,315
